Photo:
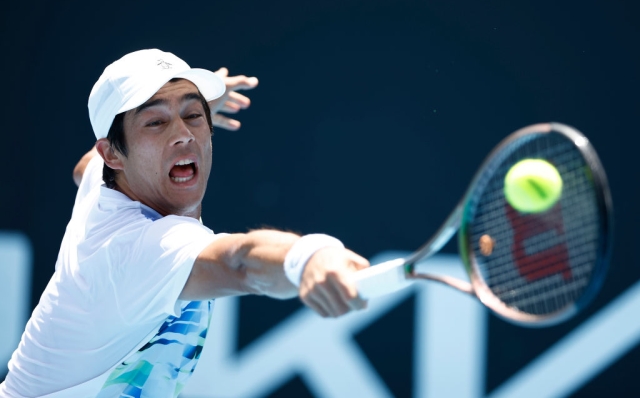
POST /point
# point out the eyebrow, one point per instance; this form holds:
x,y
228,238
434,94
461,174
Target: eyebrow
x,y
160,101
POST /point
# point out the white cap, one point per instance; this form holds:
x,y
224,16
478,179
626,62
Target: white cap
x,y
130,81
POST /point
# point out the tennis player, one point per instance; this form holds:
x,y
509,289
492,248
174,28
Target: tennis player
x,y
127,310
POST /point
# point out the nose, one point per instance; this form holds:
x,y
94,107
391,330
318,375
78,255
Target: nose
x,y
181,133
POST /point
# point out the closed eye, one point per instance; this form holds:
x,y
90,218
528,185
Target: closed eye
x,y
154,123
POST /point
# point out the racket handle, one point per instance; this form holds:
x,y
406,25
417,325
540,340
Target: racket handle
x,y
381,279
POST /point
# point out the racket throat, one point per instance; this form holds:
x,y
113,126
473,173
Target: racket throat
x,y
457,284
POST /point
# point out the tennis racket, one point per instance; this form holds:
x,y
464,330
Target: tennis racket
x,y
534,269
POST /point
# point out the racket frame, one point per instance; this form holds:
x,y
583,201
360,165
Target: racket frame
x,y
604,208
397,274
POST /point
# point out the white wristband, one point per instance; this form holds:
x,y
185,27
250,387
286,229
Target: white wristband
x,y
301,252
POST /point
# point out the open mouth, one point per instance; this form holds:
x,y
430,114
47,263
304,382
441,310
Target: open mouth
x,y
183,171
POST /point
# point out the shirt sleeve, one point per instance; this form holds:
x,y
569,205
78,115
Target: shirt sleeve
x,y
91,178
147,285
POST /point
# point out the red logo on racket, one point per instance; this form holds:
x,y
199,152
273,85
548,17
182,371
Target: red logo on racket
x,y
539,248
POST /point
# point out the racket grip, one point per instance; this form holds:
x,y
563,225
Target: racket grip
x,y
381,279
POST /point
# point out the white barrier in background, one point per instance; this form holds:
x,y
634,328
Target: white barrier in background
x,y
588,350
450,346
15,292
450,343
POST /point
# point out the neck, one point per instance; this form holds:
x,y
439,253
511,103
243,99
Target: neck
x,y
195,213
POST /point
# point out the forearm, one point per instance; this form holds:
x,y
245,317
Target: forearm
x,y
240,264
262,258
253,263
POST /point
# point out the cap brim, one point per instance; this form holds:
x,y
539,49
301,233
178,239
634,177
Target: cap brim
x,y
210,85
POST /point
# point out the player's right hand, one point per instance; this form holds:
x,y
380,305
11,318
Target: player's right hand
x,y
325,286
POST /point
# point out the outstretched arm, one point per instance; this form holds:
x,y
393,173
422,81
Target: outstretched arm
x,y
252,263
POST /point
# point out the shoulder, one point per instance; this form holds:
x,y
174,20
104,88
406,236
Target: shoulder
x,y
92,175
173,232
127,231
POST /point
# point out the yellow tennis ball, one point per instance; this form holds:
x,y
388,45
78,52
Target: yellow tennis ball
x,y
532,186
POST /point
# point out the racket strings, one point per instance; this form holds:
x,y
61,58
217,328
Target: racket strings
x,y
505,281
503,254
540,263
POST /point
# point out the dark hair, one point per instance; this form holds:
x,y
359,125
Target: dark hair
x,y
117,140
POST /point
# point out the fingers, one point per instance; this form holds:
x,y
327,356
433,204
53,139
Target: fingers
x,y
235,103
316,305
239,99
240,82
222,72
333,301
224,122
230,107
327,286
231,102
344,296
357,260
348,293
233,106
326,301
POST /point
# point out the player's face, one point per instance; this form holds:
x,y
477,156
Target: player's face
x,y
169,151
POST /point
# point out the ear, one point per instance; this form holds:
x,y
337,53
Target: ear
x,y
111,157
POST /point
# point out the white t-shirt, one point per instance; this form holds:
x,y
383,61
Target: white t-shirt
x,y
109,322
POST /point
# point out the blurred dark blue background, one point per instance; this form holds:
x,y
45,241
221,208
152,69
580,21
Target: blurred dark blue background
x,y
370,119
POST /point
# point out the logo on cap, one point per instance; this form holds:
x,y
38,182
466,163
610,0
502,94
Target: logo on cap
x,y
163,64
